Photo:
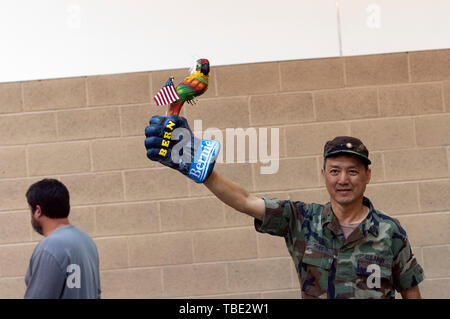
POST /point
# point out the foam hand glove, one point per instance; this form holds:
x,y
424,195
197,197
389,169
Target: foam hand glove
x,y
170,141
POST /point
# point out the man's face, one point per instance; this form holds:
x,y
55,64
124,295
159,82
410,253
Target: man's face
x,y
346,178
36,224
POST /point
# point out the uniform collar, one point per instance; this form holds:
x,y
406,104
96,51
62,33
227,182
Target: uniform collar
x,y
369,224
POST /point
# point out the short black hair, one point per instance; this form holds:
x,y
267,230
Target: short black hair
x,y
52,196
365,163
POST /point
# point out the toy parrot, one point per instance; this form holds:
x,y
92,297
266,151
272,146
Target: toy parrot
x,y
194,85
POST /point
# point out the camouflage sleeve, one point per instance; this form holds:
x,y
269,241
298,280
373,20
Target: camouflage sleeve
x,y
407,272
280,217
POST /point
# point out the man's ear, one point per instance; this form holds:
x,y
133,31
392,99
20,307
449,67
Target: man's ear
x,y
369,175
38,211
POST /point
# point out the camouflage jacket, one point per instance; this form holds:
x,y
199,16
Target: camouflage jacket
x,y
373,261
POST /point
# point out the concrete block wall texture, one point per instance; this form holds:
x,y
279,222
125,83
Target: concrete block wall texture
x,y
161,235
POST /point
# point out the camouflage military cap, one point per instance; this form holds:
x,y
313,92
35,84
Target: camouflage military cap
x,y
346,144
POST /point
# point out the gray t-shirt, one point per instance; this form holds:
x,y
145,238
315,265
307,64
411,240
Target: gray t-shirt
x,y
64,265
348,228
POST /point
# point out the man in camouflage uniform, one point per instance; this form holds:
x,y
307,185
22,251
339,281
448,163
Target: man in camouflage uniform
x,y
343,249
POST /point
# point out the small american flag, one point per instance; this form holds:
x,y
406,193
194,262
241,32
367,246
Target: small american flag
x,y
167,94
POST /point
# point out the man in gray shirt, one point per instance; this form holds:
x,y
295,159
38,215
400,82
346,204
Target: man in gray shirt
x,y
65,263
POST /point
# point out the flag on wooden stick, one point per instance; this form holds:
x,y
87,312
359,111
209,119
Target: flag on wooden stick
x,y
168,94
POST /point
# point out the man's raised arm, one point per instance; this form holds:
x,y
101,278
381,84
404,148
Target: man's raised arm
x,y
170,141
235,196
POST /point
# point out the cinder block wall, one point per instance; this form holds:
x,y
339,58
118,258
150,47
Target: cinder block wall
x,y
159,234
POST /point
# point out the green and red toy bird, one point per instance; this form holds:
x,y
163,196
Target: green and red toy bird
x,y
194,85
